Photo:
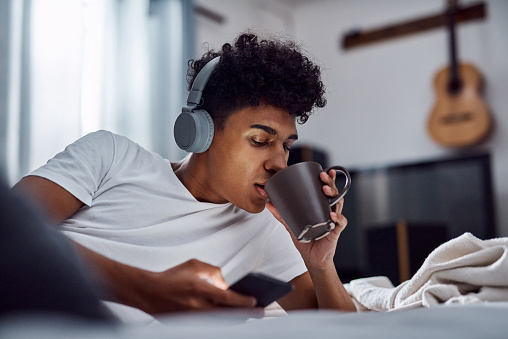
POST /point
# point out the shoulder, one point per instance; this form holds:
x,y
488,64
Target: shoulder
x,y
106,137
115,145
99,141
100,135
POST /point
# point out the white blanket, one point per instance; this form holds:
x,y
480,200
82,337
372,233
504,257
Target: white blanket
x,y
463,270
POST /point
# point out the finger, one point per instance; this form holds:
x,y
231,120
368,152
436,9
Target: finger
x,y
215,279
339,220
332,174
339,206
328,178
229,298
211,289
209,273
330,189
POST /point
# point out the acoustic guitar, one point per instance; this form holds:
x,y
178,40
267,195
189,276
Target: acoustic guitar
x,y
459,117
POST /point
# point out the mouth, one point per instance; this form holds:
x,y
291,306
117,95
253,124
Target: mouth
x,y
260,189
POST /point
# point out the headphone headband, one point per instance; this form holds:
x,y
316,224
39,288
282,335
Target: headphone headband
x,y
200,82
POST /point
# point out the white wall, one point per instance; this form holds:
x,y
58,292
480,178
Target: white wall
x,y
380,95
263,16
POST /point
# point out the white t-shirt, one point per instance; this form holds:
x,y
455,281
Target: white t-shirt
x,y
139,213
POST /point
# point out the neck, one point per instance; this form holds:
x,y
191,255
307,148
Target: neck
x,y
192,172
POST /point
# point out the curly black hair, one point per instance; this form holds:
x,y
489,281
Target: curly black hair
x,y
254,70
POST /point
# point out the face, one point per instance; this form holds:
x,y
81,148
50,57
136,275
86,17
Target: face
x,y
253,145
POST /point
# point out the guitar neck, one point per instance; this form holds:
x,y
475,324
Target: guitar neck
x,y
455,81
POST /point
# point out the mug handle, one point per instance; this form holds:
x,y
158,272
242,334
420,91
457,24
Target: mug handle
x,y
346,187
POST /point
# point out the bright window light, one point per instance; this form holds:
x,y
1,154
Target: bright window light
x,y
91,79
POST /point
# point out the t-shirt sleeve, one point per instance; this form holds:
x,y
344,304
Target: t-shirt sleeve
x,y
280,258
82,166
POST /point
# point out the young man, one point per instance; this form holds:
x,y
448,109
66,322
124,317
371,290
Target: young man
x,y
159,232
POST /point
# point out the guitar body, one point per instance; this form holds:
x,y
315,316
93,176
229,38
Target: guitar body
x,y
460,118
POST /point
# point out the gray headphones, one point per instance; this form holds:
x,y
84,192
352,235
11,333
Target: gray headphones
x,y
194,127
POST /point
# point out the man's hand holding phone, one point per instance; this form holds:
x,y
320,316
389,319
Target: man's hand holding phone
x,y
264,288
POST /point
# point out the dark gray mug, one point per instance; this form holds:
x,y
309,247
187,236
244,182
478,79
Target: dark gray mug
x,y
297,194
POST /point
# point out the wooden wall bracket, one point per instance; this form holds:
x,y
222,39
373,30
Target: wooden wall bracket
x,y
355,38
209,14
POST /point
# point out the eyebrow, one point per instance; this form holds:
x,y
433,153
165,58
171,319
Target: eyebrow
x,y
272,131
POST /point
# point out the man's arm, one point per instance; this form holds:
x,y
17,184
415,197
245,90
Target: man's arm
x,y
56,203
184,287
302,296
326,293
320,287
193,285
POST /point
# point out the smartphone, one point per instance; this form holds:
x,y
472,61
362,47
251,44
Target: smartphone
x,y
264,288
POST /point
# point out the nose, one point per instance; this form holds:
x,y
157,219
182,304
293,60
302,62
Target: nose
x,y
277,161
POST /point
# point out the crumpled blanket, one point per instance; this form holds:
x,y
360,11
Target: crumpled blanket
x,y
463,270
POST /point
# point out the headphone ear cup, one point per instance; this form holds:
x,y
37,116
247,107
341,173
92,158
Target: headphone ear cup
x,y
194,131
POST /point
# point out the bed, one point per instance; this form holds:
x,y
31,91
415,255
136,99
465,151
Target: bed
x,y
484,320
471,273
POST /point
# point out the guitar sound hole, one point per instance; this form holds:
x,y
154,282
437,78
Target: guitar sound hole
x,y
454,87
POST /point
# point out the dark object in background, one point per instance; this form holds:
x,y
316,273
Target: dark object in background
x,y
455,191
398,251
310,153
41,271
307,153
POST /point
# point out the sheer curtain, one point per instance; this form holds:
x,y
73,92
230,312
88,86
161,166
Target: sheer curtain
x,y
77,66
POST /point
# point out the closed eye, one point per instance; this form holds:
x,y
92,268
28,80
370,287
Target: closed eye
x,y
264,143
258,143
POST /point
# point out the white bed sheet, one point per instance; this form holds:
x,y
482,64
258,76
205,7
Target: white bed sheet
x,y
485,320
